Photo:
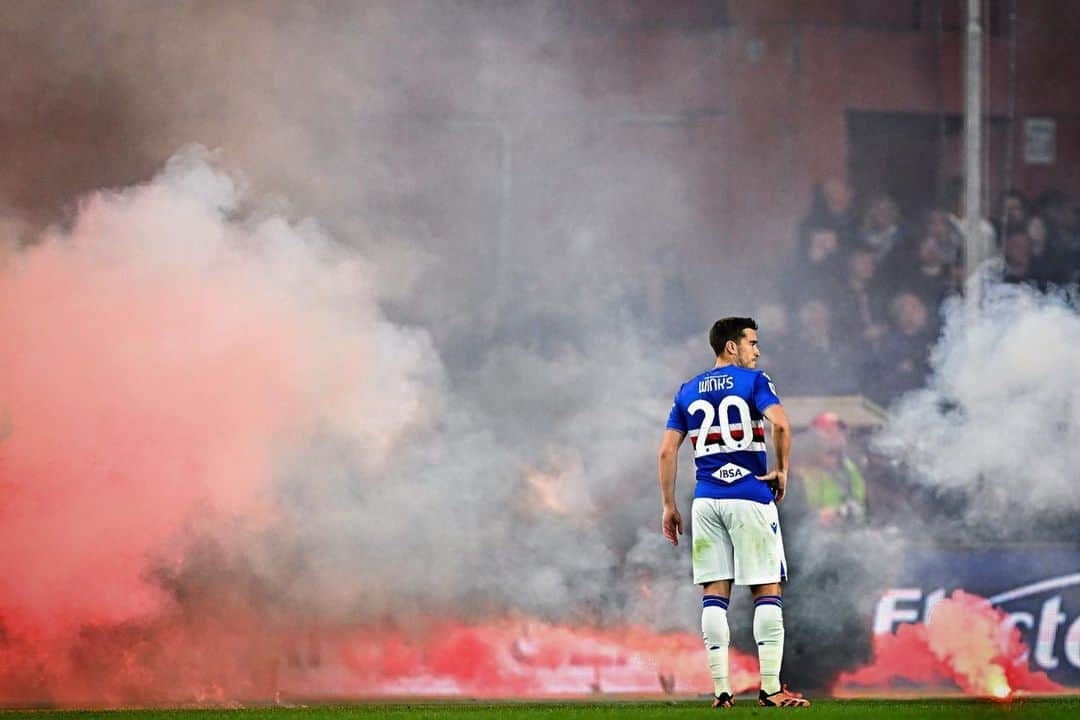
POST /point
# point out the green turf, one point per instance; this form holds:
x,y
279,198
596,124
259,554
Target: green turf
x,y
1048,708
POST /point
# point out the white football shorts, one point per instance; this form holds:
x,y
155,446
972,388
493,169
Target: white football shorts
x,y
737,540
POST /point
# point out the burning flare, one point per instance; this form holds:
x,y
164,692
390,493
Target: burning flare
x,y
966,642
563,489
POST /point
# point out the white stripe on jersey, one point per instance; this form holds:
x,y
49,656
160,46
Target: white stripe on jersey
x,y
752,447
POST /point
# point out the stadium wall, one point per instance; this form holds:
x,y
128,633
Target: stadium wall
x,y
764,94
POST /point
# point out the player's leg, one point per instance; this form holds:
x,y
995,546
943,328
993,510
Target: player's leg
x,y
713,570
717,637
769,633
760,563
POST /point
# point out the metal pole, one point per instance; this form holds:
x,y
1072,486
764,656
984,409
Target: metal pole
x,y
974,241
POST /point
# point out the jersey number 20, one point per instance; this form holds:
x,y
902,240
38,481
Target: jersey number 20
x,y
702,446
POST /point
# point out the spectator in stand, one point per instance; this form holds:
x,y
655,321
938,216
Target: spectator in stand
x,y
1054,208
881,228
830,482
1017,255
902,360
929,276
1052,235
823,368
1036,230
948,235
818,266
1045,268
857,302
1013,210
832,207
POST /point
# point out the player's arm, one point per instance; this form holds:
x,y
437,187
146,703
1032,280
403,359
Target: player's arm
x,y
669,463
781,437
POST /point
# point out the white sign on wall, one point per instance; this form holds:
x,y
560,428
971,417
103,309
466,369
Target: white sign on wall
x,y
1040,141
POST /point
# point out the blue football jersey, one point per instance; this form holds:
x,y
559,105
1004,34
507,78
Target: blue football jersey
x,y
720,412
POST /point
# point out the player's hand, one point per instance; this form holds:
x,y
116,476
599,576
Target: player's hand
x,y
672,524
777,480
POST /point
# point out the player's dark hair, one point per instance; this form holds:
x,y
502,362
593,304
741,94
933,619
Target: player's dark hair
x,y
729,328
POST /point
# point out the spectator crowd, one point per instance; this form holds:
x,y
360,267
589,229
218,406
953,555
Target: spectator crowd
x,y
860,312
862,301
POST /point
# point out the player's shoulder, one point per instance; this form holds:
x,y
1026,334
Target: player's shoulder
x,y
764,375
758,373
757,379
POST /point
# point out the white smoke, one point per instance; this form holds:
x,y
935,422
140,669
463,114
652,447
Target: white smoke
x,y
999,420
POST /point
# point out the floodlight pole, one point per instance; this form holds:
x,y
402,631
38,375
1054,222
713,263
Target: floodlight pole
x,y
975,250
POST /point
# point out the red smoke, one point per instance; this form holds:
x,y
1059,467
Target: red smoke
x,y
136,391
153,367
966,642
158,362
239,657
530,658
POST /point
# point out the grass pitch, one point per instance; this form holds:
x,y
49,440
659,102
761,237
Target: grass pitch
x,y
1043,708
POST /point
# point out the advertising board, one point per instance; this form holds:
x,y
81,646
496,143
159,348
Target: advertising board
x,y
1038,587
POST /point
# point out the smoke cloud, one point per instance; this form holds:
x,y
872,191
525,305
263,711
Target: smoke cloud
x,y
162,361
229,428
209,416
231,432
997,427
